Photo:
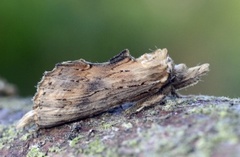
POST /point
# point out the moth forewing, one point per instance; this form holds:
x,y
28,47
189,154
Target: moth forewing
x,y
79,89
74,90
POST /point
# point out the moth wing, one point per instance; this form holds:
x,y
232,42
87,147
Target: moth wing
x,y
78,89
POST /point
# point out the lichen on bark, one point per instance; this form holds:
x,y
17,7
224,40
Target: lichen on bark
x,y
191,126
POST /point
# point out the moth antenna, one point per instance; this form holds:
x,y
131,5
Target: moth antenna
x,y
26,119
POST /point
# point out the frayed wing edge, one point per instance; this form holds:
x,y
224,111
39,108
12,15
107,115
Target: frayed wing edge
x,y
26,119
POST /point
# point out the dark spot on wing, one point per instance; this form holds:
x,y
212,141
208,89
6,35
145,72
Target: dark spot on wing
x,y
95,85
121,56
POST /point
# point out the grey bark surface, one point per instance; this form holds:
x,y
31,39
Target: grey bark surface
x,y
190,126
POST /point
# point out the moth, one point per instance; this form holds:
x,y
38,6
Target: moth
x,y
78,89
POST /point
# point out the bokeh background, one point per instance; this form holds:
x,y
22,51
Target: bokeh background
x,y
35,35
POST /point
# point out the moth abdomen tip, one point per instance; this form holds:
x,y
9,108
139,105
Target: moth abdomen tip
x,y
26,119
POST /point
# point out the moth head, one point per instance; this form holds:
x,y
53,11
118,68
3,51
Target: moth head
x,y
185,77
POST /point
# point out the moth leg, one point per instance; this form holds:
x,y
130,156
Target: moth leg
x,y
175,94
148,101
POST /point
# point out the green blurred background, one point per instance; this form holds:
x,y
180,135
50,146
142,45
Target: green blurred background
x,y
35,35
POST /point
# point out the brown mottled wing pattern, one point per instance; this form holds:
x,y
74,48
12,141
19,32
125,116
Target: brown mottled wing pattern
x,y
78,89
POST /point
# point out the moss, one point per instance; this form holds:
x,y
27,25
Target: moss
x,y
25,136
171,140
197,140
170,105
127,125
221,110
111,152
220,126
131,143
74,141
223,133
35,152
195,126
8,134
54,149
106,126
95,147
